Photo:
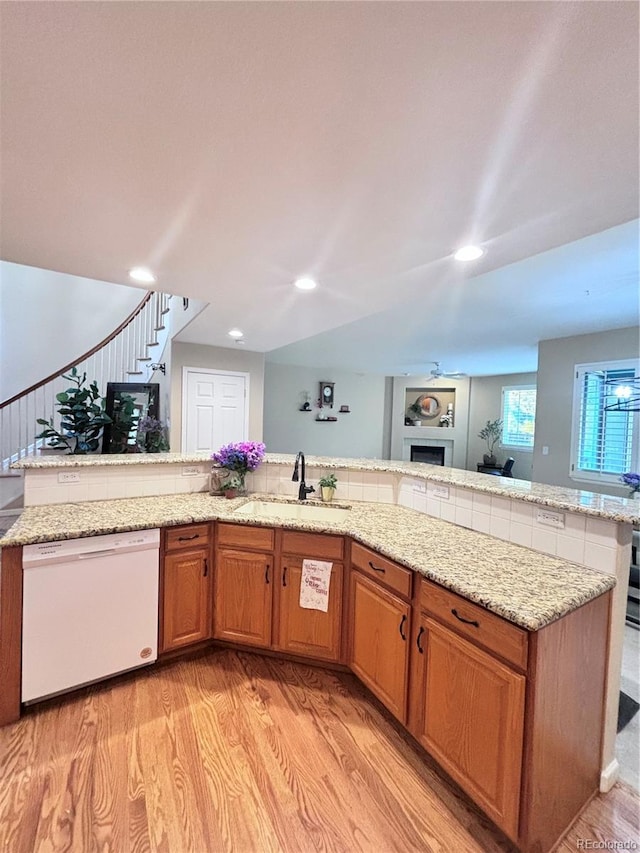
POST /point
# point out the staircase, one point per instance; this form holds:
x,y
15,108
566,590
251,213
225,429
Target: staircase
x,y
129,354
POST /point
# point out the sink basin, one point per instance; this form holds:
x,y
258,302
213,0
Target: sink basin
x,y
299,512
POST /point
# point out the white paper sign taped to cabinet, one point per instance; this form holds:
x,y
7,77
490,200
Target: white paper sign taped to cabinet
x,y
314,585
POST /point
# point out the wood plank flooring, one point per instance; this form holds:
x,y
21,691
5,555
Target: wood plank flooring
x,y
235,752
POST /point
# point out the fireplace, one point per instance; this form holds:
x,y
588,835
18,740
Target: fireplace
x,y
431,455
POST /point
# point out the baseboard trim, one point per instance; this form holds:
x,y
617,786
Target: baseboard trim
x,y
609,776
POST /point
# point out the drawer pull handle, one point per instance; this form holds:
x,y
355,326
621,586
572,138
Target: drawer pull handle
x,y
284,576
188,538
266,573
466,621
402,621
376,568
420,633
206,567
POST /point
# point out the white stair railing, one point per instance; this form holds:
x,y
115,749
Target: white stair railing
x,y
125,356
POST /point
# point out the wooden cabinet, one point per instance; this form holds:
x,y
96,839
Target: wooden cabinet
x,y
244,584
185,616
379,627
470,718
299,630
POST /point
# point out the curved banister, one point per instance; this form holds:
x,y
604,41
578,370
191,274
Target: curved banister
x,y
83,357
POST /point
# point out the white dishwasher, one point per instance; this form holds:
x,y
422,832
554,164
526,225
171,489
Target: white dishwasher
x,y
90,610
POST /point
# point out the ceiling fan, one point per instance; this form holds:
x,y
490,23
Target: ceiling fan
x,y
438,373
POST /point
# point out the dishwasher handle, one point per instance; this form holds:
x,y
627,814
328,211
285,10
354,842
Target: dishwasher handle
x,y
88,555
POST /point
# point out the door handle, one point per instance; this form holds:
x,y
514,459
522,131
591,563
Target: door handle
x,y
466,621
206,567
376,568
402,621
420,633
266,573
284,576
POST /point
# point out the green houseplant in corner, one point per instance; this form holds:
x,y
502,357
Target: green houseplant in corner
x,y
82,417
491,433
328,485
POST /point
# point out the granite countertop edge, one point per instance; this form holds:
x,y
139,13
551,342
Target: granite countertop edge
x,y
525,587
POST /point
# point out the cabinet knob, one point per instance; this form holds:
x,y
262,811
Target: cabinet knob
x,y
376,568
266,573
284,576
206,567
418,644
188,538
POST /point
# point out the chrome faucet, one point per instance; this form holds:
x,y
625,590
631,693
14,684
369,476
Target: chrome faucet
x,y
298,474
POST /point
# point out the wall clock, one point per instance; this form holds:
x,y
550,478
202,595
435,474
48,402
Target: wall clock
x,y
326,394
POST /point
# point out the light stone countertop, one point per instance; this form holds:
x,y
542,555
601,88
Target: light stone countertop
x,y
525,587
556,497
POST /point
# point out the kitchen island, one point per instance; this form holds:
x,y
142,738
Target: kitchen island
x,y
452,529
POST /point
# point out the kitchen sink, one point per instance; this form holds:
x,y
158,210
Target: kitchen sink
x,y
295,511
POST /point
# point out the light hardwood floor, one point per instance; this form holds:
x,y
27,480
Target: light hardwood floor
x,y
237,752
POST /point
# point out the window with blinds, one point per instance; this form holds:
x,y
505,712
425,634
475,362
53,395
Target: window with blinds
x,y
518,416
605,437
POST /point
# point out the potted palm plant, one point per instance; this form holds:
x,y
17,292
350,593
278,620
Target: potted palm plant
x,y
491,433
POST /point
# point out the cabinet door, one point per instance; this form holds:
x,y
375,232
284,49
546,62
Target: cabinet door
x,y
472,719
244,584
312,633
186,598
378,652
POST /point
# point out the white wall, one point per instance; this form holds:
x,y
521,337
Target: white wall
x,y
485,404
287,430
556,362
216,358
48,319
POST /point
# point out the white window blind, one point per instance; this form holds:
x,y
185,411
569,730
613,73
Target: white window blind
x,y
518,416
605,439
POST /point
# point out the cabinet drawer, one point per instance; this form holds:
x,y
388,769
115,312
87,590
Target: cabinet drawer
x,y
312,544
187,536
472,621
243,536
383,570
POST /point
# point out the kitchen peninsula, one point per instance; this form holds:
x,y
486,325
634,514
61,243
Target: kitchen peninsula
x,y
425,528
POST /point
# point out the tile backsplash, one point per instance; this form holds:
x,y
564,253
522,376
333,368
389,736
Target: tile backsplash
x,y
570,536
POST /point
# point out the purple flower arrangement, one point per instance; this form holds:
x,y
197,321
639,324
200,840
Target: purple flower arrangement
x,y
631,480
241,456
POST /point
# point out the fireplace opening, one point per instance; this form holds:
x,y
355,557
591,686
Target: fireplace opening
x,y
429,455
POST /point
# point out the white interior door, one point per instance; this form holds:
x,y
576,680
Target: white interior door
x,y
214,409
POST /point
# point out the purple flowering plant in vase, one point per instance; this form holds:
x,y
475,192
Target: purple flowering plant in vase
x,y
633,481
238,458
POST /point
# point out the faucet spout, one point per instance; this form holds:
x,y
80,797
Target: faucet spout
x,y
299,474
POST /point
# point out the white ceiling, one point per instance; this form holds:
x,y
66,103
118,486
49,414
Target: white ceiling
x,y
235,146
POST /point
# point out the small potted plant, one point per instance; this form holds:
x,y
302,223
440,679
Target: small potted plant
x,y
328,485
236,460
491,433
415,411
152,435
633,481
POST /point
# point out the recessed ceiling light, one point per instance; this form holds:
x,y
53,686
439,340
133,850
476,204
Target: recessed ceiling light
x,y
469,253
235,333
142,275
305,284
